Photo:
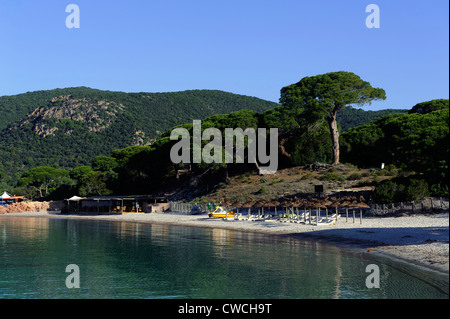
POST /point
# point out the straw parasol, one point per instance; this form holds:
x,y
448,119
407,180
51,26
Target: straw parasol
x,y
248,204
273,203
297,203
226,203
346,204
318,205
326,203
309,205
260,203
361,205
269,204
290,202
353,204
335,204
237,205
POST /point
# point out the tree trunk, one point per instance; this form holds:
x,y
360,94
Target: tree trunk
x,y
227,178
334,137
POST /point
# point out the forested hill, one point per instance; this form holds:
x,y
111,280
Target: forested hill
x,y
69,127
352,117
164,110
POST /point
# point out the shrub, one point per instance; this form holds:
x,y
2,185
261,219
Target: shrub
x,y
439,190
407,190
221,185
417,190
365,174
350,165
386,172
390,167
262,190
306,176
330,176
388,192
354,176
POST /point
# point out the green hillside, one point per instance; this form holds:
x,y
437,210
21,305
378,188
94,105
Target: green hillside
x,y
68,127
164,109
351,117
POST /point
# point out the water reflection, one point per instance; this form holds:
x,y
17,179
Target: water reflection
x,y
26,228
138,260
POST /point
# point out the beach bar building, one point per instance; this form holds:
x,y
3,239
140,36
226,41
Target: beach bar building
x,y
112,205
7,199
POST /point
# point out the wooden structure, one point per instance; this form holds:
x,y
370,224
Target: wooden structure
x,y
112,205
7,199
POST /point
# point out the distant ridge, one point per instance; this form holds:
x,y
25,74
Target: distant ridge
x,y
69,127
14,107
352,117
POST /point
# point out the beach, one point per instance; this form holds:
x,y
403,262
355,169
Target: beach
x,y
419,240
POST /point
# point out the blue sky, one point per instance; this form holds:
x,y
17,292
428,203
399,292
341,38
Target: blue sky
x,y
250,47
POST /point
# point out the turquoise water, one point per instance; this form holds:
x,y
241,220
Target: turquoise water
x,y
136,260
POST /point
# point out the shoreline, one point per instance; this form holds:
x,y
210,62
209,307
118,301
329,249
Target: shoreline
x,y
418,240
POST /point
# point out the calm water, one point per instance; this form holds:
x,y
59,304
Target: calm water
x,y
132,260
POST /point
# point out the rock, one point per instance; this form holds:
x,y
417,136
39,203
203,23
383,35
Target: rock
x,y
25,207
318,166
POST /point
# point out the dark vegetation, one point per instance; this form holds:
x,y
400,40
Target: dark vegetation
x,y
415,142
66,128
103,155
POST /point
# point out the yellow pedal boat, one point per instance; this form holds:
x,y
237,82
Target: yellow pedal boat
x,y
219,212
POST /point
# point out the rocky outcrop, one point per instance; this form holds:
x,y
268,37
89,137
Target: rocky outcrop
x,y
96,115
317,166
25,207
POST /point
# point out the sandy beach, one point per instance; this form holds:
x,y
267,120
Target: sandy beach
x,y
419,240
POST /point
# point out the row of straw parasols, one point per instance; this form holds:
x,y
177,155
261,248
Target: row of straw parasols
x,y
307,203
348,202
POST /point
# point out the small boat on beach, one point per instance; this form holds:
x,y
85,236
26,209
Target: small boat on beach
x,y
220,212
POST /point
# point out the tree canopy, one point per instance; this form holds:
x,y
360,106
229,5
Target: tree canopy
x,y
43,179
70,127
323,96
417,141
430,106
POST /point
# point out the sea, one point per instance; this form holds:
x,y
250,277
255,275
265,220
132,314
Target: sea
x,y
55,258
